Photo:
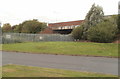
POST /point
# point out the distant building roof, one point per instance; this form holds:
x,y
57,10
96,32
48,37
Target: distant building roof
x,y
61,24
48,30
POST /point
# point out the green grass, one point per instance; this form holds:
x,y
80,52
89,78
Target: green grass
x,y
27,71
66,48
0,72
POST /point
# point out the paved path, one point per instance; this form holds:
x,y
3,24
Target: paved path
x,y
79,63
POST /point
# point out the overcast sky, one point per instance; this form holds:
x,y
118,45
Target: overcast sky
x,y
50,11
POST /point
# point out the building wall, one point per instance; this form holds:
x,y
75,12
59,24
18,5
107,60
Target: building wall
x,y
62,27
65,25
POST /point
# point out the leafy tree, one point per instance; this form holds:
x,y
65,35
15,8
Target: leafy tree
x,y
7,28
32,26
102,32
17,28
77,32
94,16
13,28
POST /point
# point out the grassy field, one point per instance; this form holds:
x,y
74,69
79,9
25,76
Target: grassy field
x,y
66,48
0,72
27,71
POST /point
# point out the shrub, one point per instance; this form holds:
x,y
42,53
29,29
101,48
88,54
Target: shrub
x,y
103,32
77,32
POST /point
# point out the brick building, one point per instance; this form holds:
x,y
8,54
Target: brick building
x,y
62,27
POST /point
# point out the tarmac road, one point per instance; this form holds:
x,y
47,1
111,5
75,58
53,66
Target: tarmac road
x,y
79,63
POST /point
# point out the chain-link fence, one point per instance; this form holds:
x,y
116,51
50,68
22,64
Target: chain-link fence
x,y
22,37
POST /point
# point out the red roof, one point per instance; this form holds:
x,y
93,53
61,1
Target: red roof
x,y
70,23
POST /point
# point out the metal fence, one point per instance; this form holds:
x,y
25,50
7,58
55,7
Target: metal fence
x,y
23,37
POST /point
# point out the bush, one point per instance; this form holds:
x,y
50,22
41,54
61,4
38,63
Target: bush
x,y
77,32
103,32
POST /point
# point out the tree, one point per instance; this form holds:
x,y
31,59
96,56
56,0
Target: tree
x,y
13,28
77,32
7,28
32,26
17,28
94,16
102,32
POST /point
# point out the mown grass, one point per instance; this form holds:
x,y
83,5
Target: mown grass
x,y
28,71
66,48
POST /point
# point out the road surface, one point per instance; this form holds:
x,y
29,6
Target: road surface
x,y
79,63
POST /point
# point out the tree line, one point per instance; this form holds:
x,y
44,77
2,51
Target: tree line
x,y
28,26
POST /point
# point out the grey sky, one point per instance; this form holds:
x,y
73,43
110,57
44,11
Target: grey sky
x,y
17,11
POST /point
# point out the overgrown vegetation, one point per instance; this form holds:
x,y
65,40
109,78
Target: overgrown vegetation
x,y
97,27
102,32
